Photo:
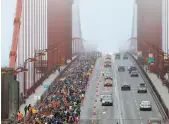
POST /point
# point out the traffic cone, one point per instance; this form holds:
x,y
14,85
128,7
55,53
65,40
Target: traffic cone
x,y
94,112
82,101
97,94
96,90
94,106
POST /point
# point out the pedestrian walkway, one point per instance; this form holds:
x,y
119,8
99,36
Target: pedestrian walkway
x,y
162,90
33,98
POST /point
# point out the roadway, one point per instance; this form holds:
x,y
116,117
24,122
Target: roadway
x,y
130,100
86,110
126,103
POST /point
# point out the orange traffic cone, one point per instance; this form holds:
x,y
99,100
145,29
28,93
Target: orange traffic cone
x,y
94,111
82,101
97,94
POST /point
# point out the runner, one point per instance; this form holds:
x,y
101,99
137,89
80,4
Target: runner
x,y
63,104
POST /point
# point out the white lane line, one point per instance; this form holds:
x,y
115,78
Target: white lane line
x,y
117,94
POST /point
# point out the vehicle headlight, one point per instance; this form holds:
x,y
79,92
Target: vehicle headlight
x,y
103,101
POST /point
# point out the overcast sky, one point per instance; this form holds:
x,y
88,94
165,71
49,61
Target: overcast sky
x,y
107,23
7,17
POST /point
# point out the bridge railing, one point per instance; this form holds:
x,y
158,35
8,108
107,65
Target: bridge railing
x,y
159,101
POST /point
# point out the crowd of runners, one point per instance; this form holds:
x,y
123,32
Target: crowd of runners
x,y
62,106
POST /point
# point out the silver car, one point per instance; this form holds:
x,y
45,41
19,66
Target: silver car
x,y
142,88
106,93
107,100
134,74
145,105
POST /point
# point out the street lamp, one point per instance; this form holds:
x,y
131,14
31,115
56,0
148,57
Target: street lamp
x,y
15,72
63,53
42,53
24,76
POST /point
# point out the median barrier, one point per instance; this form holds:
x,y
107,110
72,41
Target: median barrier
x,y
156,96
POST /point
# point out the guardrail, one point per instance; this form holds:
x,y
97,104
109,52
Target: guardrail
x,y
156,96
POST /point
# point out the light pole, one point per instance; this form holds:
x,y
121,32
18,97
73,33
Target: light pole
x,y
16,71
62,53
41,53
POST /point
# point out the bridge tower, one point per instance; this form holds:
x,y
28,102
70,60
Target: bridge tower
x,y
149,28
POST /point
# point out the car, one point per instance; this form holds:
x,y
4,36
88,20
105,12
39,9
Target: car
x,y
107,65
131,68
108,83
125,87
142,88
105,93
108,78
108,58
107,61
145,105
154,121
143,84
125,57
134,74
117,56
121,68
107,101
107,74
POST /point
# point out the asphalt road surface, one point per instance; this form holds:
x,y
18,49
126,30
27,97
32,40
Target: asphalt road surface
x,y
126,103
90,96
130,100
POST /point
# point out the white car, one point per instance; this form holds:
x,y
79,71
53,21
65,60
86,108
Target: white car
x,y
105,93
134,74
145,105
107,100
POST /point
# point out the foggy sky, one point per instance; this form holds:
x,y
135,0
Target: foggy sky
x,y
107,23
